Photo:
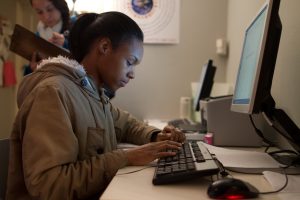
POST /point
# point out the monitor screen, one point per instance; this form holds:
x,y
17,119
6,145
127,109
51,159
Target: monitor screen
x,y
205,83
248,68
257,61
249,60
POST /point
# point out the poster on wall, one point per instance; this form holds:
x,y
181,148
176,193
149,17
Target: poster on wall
x,y
159,19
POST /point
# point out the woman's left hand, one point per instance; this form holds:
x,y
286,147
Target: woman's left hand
x,y
170,133
57,39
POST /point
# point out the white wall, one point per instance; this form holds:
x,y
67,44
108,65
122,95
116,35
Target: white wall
x,y
167,70
7,95
286,81
240,13
16,11
287,73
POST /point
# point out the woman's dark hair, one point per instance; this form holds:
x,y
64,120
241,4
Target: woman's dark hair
x,y
116,26
62,7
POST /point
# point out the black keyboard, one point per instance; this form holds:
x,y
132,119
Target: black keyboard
x,y
178,122
186,126
192,161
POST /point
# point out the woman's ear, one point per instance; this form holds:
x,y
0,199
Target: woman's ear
x,y
104,46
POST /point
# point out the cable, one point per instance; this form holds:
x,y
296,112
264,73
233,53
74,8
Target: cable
x,y
131,172
260,133
222,168
280,189
269,192
267,148
292,159
175,162
283,151
156,165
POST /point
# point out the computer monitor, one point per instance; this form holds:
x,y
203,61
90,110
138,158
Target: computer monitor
x,y
257,63
206,82
254,80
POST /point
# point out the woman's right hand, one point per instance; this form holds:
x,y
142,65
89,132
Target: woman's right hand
x,y
144,154
57,39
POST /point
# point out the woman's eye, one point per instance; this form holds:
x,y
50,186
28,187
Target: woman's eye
x,y
50,10
128,63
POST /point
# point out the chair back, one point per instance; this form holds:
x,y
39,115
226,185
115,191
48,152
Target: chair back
x,y
4,155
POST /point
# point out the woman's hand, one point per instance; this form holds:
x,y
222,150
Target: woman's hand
x,y
57,39
144,154
170,133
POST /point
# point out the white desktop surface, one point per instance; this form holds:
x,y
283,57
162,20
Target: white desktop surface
x,y
139,186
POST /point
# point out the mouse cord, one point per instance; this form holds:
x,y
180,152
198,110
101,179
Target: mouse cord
x,y
152,165
223,171
280,189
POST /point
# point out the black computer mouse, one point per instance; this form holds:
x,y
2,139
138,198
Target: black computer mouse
x,y
231,188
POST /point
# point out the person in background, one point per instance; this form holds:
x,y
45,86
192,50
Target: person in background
x,y
65,135
54,24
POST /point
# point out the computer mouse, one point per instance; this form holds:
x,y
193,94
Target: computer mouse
x,y
231,188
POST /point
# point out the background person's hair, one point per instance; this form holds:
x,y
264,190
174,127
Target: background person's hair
x,y
116,26
62,7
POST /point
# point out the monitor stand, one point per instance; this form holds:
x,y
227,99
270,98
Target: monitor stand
x,y
285,126
288,159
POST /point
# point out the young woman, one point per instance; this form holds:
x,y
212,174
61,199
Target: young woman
x,y
54,24
64,140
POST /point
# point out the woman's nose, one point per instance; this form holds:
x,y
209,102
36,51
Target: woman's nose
x,y
46,16
131,74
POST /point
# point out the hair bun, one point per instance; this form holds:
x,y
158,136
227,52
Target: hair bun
x,y
76,36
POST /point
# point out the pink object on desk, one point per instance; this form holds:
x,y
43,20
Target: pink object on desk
x,y
208,138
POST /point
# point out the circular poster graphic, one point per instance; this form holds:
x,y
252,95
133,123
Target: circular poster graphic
x,y
142,7
159,19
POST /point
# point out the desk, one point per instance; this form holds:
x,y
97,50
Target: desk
x,y
139,186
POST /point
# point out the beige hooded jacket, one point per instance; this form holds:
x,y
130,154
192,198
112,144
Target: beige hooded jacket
x,y
64,139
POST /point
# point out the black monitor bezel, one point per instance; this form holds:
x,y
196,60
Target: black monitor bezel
x,y
204,89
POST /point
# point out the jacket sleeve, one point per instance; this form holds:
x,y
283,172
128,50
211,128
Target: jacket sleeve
x,y
50,153
131,130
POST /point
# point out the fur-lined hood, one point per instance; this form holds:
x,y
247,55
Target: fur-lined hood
x,y
57,66
64,61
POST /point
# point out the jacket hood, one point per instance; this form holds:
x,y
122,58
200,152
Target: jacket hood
x,y
57,66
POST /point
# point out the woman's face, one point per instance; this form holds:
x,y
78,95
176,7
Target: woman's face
x,y
117,67
46,12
